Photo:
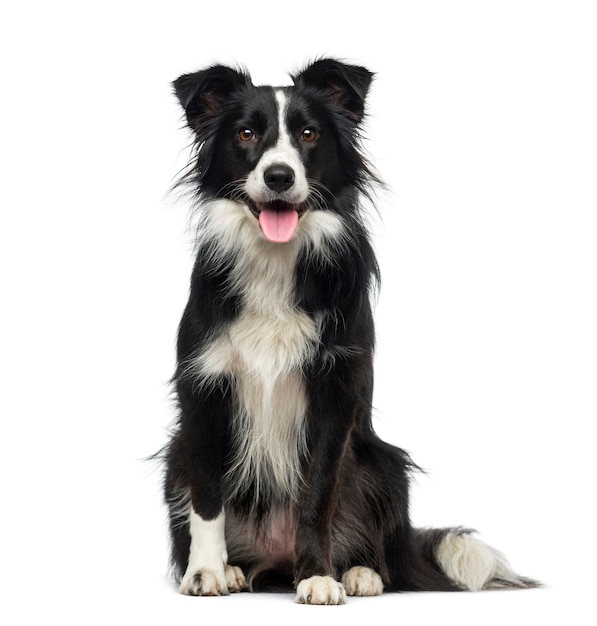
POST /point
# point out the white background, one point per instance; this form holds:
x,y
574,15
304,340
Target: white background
x,y
483,124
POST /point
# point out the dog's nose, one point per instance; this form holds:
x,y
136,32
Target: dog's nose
x,y
279,177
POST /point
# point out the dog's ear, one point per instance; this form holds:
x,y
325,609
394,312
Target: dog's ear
x,y
345,86
203,94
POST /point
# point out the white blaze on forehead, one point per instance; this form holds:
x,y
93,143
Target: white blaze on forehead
x,y
282,153
281,100
283,136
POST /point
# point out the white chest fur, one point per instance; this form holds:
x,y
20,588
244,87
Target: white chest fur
x,y
262,352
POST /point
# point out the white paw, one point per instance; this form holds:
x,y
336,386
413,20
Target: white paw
x,y
208,582
320,590
235,579
362,581
204,582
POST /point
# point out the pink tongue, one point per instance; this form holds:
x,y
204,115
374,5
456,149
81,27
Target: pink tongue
x,y
278,226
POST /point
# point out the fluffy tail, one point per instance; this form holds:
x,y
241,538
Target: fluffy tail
x,y
468,562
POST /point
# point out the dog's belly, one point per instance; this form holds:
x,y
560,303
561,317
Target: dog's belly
x,y
269,543
277,541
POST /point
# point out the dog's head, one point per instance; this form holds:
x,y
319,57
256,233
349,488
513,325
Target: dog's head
x,y
278,152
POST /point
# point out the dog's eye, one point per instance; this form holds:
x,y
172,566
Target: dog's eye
x,y
246,134
309,134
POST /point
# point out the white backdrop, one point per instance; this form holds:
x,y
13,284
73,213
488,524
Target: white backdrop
x,y
483,125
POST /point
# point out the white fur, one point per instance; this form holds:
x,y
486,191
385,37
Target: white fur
x,y
206,571
323,231
264,348
282,153
236,231
362,581
473,564
320,590
235,579
179,506
262,352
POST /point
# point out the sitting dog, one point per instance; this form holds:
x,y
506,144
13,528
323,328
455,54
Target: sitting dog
x,y
274,476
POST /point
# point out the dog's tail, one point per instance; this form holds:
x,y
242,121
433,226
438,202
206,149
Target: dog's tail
x,y
468,562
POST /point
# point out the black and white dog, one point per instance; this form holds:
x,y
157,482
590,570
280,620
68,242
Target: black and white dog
x,y
274,476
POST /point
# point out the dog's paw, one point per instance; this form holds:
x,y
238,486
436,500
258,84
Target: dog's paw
x,y
204,582
362,581
209,582
320,590
235,579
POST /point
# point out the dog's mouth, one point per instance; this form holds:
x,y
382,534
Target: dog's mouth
x,y
278,220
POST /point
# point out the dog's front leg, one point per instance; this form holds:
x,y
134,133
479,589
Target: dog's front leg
x,y
204,417
333,406
205,574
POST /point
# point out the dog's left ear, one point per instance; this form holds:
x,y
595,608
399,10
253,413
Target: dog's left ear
x,y
345,86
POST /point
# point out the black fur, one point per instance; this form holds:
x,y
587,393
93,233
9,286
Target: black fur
x,y
352,505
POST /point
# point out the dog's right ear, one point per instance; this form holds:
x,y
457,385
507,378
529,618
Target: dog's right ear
x,y
202,94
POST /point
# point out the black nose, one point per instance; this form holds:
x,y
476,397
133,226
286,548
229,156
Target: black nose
x,y
279,177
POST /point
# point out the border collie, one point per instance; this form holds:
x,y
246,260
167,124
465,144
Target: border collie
x,y
274,476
